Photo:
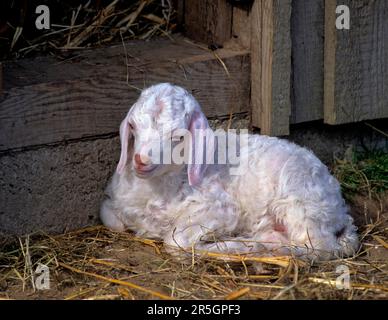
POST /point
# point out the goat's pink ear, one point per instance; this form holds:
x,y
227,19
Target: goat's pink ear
x,y
125,136
200,150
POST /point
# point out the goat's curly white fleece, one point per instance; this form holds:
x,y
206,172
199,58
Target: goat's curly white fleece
x,y
286,202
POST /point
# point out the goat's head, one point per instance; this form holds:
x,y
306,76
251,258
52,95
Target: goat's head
x,y
159,118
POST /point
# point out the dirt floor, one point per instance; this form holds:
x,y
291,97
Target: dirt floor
x,y
94,263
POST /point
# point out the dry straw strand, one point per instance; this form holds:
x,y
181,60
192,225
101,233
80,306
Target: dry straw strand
x,y
120,282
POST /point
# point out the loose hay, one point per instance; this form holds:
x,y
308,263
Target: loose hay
x,y
95,263
79,26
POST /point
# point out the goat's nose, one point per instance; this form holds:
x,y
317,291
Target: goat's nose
x,y
142,160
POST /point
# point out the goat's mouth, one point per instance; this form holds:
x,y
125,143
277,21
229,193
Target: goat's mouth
x,y
145,171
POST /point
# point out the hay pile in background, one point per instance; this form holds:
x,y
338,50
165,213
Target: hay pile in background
x,y
80,24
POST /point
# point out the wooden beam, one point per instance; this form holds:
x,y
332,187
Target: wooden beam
x,y
271,66
307,31
241,26
256,61
267,47
329,62
208,21
47,101
356,62
179,6
1,79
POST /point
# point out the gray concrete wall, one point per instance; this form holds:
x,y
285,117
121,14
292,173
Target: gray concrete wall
x,y
59,188
56,188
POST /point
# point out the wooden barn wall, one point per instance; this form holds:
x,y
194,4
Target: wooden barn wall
x,y
46,100
307,31
356,63
291,65
208,21
271,66
337,75
340,76
263,26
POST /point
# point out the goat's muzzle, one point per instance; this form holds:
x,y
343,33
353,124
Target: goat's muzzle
x,y
143,164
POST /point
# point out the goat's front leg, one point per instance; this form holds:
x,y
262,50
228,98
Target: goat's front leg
x,y
207,222
123,203
110,217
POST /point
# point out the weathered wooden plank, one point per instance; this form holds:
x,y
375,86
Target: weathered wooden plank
x,y
256,63
281,68
267,65
46,101
307,31
179,6
241,25
356,63
97,62
208,21
273,107
1,79
329,61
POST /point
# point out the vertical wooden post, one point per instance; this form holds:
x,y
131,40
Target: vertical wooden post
x,y
267,38
256,51
1,79
271,66
356,61
307,33
209,21
179,6
241,28
329,62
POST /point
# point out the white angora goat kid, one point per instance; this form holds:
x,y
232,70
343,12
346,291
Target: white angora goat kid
x,y
285,203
